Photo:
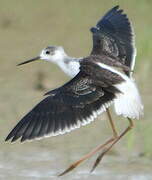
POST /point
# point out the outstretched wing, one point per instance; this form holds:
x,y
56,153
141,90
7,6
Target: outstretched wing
x,y
76,103
114,35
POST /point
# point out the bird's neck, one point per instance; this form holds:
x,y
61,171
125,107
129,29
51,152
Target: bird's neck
x,y
69,65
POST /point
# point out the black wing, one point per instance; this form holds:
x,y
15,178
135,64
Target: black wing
x,y
76,103
113,34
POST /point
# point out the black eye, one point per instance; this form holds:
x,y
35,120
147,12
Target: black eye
x,y
47,52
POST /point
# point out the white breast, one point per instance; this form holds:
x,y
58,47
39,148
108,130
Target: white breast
x,y
71,68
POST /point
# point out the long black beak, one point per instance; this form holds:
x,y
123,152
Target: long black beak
x,y
28,61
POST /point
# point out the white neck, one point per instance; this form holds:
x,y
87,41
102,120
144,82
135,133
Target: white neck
x,y
69,65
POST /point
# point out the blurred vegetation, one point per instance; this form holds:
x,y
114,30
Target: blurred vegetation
x,y
28,26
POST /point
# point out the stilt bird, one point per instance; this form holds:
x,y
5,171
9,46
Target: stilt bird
x,y
99,80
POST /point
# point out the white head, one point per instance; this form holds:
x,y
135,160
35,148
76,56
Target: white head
x,y
57,55
53,54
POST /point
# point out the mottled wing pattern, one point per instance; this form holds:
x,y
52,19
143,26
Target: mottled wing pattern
x,y
76,103
113,34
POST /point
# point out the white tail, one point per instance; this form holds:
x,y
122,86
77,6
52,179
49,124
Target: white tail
x,y
129,102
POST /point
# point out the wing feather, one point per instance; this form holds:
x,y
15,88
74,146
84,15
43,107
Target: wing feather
x,y
114,34
76,103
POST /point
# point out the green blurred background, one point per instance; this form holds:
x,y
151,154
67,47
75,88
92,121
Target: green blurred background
x,y
28,26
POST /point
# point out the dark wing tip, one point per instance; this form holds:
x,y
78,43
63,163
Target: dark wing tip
x,y
20,128
50,118
7,138
11,137
116,30
115,8
114,16
113,20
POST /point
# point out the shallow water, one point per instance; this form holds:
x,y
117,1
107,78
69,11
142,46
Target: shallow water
x,y
46,159
43,167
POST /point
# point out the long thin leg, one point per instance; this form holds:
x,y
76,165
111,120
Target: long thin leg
x,y
115,134
106,150
98,148
75,164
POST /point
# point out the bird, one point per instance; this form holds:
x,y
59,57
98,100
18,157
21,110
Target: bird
x,y
99,80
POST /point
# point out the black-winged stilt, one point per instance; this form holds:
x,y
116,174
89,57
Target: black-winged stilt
x,y
99,80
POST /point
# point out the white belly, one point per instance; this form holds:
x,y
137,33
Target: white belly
x,y
129,102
